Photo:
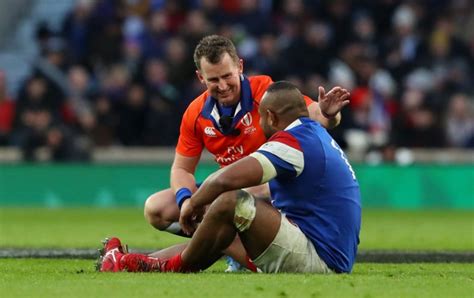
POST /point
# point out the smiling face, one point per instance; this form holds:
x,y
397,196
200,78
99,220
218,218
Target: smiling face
x,y
222,79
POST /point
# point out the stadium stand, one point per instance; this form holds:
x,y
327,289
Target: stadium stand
x,y
100,74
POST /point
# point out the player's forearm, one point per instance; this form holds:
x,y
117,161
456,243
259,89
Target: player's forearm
x,y
317,114
181,178
244,173
207,192
330,122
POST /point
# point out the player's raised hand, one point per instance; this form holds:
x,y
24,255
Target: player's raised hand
x,y
332,102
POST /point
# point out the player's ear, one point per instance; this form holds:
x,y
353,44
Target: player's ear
x,y
241,66
199,76
272,120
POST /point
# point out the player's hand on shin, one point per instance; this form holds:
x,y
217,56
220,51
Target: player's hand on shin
x,y
332,102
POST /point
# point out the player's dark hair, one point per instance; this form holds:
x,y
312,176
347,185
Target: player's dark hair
x,y
282,85
212,47
287,99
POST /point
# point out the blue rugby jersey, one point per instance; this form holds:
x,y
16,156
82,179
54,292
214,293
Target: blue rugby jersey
x,y
317,189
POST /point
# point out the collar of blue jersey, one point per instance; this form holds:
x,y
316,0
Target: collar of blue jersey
x,y
245,105
298,122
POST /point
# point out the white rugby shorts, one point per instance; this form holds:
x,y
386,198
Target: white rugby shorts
x,y
291,251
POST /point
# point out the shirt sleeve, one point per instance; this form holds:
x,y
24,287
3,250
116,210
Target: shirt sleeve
x,y
259,86
308,100
284,153
189,142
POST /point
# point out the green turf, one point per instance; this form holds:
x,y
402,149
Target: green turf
x,y
76,278
84,228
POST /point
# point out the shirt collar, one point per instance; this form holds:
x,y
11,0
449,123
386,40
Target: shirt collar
x,y
297,122
245,105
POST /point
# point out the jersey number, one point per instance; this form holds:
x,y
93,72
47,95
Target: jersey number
x,y
343,156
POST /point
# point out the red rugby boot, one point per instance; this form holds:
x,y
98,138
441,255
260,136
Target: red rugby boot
x,y
134,262
144,263
110,255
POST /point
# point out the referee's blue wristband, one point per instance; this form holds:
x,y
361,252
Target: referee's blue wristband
x,y
182,195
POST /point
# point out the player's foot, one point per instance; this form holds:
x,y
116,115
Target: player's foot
x,y
134,262
110,255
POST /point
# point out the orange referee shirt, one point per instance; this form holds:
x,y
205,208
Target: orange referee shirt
x,y
200,124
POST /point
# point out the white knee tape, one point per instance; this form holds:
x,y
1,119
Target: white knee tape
x,y
244,211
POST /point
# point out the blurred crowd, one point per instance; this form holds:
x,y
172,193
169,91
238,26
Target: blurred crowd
x,y
120,72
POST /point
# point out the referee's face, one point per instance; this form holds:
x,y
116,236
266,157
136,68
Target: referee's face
x,y
222,79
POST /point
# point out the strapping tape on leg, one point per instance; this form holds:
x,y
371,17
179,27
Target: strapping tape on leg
x,y
244,211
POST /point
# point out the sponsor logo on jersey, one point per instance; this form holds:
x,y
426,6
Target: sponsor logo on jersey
x,y
224,161
233,154
250,130
235,149
247,119
210,131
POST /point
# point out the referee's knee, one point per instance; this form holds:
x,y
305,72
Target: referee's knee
x,y
153,213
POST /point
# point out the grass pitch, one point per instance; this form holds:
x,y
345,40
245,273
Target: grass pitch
x,y
76,278
84,228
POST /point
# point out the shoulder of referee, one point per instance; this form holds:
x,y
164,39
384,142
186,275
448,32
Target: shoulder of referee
x,y
259,84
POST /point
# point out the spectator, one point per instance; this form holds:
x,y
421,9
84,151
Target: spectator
x,y
115,81
180,67
460,121
311,53
196,27
157,81
132,58
132,113
417,125
35,114
401,59
403,46
7,112
267,58
63,146
52,66
155,36
77,31
80,92
106,121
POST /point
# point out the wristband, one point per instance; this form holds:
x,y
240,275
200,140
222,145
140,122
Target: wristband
x,y
182,195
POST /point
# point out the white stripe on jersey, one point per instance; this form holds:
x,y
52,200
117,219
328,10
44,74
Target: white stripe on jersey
x,y
294,124
286,153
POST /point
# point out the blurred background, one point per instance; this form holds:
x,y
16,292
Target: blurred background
x,y
92,91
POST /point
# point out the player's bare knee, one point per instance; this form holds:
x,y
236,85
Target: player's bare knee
x,y
224,205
